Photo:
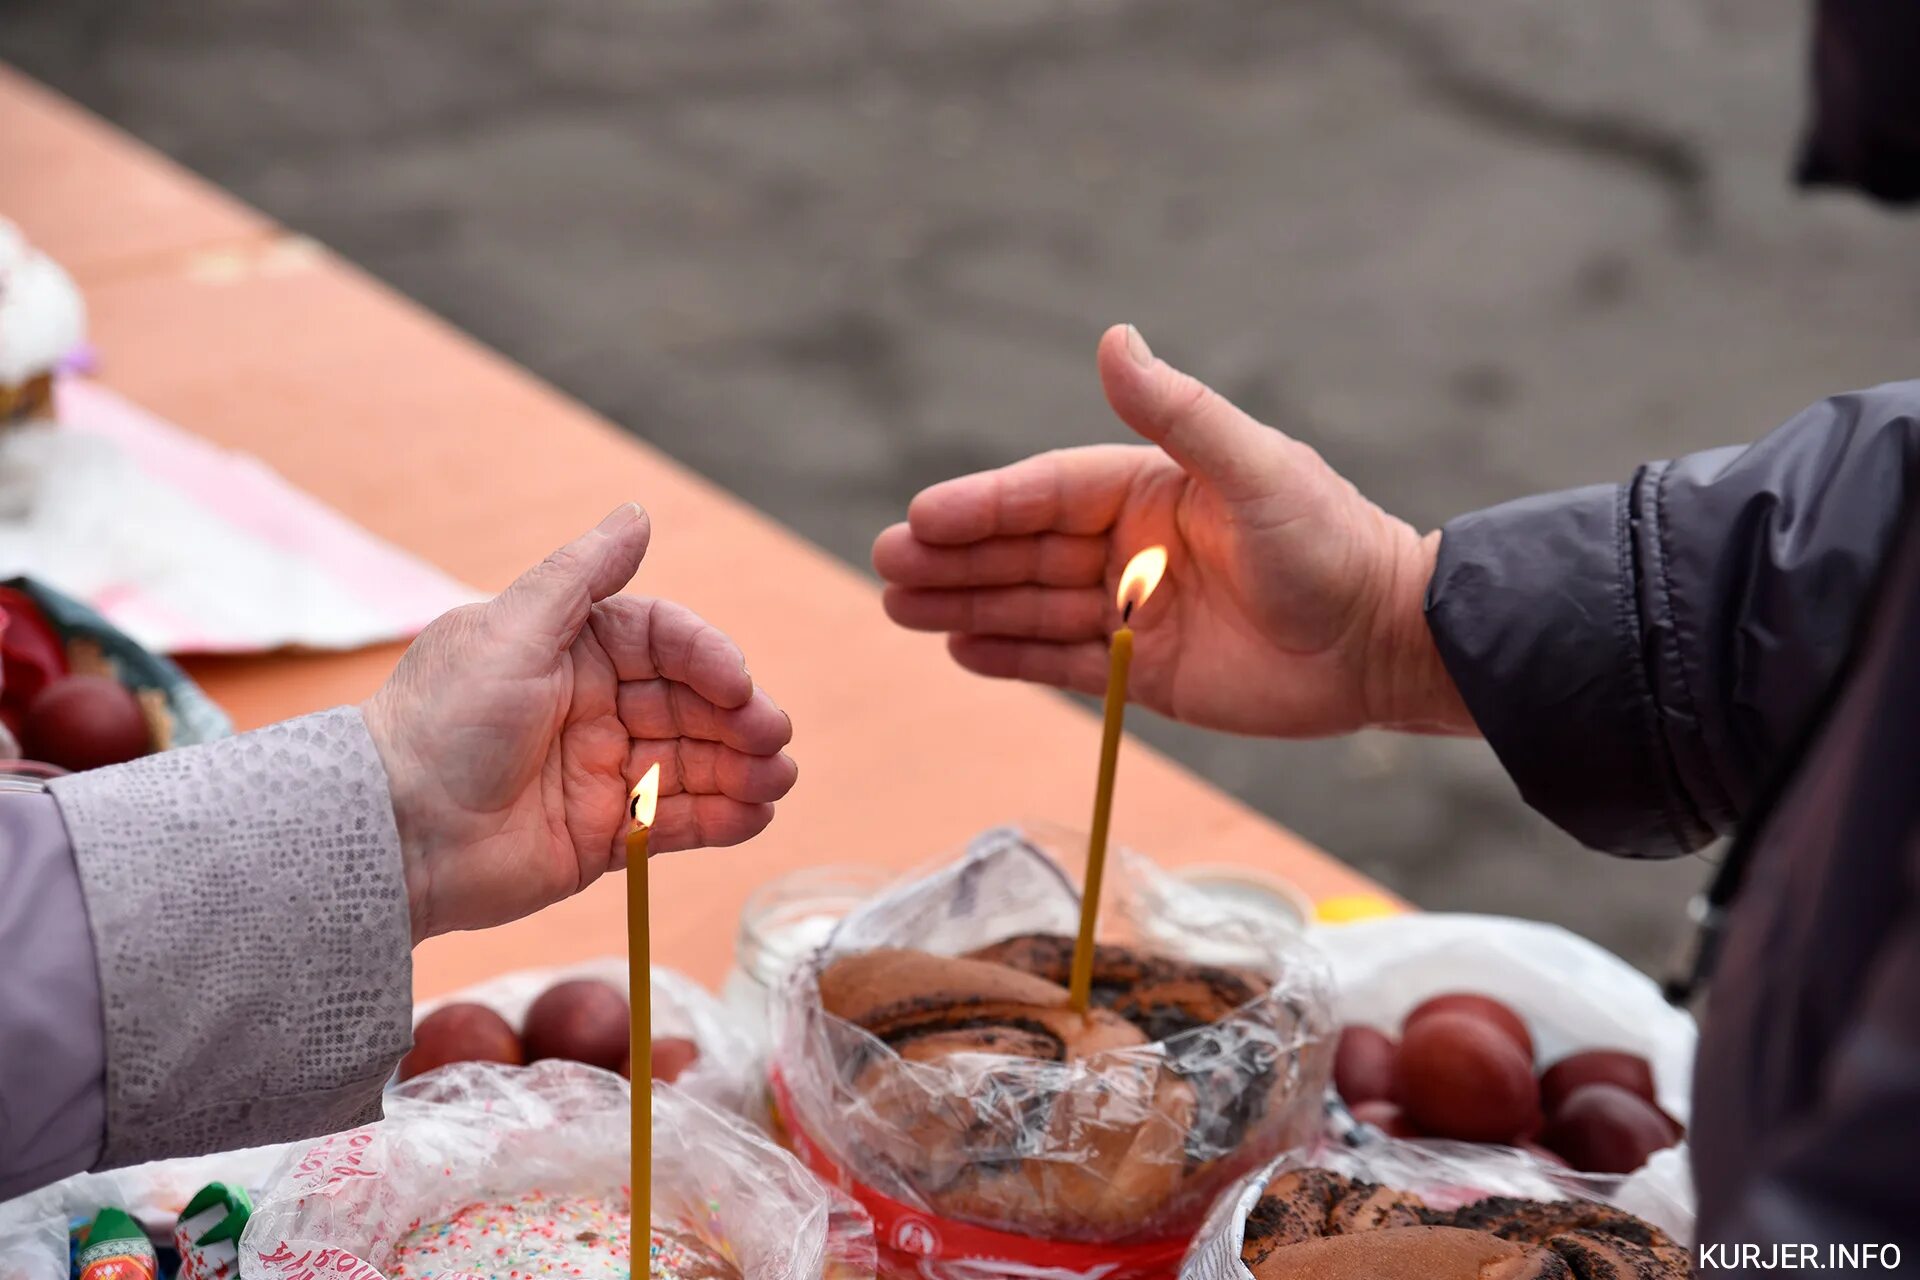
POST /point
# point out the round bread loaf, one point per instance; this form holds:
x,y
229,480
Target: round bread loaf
x,y
1315,1224
928,1008
1413,1253
1169,1000
1162,996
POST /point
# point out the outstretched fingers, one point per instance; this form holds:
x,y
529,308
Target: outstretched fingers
x,y
663,708
689,766
1080,667
1072,491
1047,559
702,822
710,795
658,639
1039,613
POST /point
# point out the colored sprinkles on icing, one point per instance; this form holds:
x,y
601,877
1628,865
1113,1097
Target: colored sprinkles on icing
x,y
530,1238
670,1256
540,1236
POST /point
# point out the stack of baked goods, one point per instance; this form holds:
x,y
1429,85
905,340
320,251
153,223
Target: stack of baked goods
x,y
1431,1210
951,1086
1315,1224
42,322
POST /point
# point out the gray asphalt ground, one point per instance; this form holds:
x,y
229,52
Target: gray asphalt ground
x,y
828,251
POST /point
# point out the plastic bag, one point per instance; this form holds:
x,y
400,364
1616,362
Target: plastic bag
x,y
1444,1174
1573,993
33,1227
728,1075
473,1132
1101,1166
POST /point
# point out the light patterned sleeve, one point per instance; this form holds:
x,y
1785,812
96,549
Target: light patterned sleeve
x,y
248,915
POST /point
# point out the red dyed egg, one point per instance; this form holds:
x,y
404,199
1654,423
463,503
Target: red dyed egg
x,y
1363,1064
1629,1071
461,1032
1486,1008
585,1020
672,1056
1602,1128
1386,1117
85,722
1462,1077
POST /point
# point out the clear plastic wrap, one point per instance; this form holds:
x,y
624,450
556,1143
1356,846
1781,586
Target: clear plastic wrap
x,y
1446,1175
1573,993
982,1163
474,1132
730,1072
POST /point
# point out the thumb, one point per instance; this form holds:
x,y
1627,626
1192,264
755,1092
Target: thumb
x,y
560,589
1198,427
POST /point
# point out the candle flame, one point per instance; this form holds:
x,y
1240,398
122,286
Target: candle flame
x,y
646,797
1142,575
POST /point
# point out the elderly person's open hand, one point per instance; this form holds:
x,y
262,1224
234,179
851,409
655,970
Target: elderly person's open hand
x,y
1292,605
513,730
236,920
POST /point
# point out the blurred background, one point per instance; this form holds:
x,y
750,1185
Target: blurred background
x,y
829,251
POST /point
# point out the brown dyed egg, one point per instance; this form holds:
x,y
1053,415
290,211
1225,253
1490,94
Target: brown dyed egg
x,y
1602,1128
1386,1117
1629,1071
1462,1077
672,1056
1485,1008
85,722
1363,1064
461,1033
584,1019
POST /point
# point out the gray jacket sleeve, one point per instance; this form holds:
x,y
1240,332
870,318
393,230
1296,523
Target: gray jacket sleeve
x,y
53,1101
1640,656
243,973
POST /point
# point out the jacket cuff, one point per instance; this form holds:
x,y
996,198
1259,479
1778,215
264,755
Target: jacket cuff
x,y
1535,610
249,919
53,1105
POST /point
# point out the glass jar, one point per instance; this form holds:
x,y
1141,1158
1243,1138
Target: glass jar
x,y
1226,915
784,920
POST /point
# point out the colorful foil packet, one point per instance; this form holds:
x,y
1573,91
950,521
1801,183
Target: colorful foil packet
x,y
208,1233
115,1248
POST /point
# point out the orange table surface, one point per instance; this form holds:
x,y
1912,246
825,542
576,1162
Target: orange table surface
x,y
453,452
98,201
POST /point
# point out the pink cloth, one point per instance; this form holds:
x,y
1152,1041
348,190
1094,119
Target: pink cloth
x,y
282,567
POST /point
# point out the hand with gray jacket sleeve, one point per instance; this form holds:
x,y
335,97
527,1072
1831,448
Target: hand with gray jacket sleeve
x,y
1642,655
210,948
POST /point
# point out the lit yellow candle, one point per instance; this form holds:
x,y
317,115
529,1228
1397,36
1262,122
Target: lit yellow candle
x,y
1142,575
646,797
